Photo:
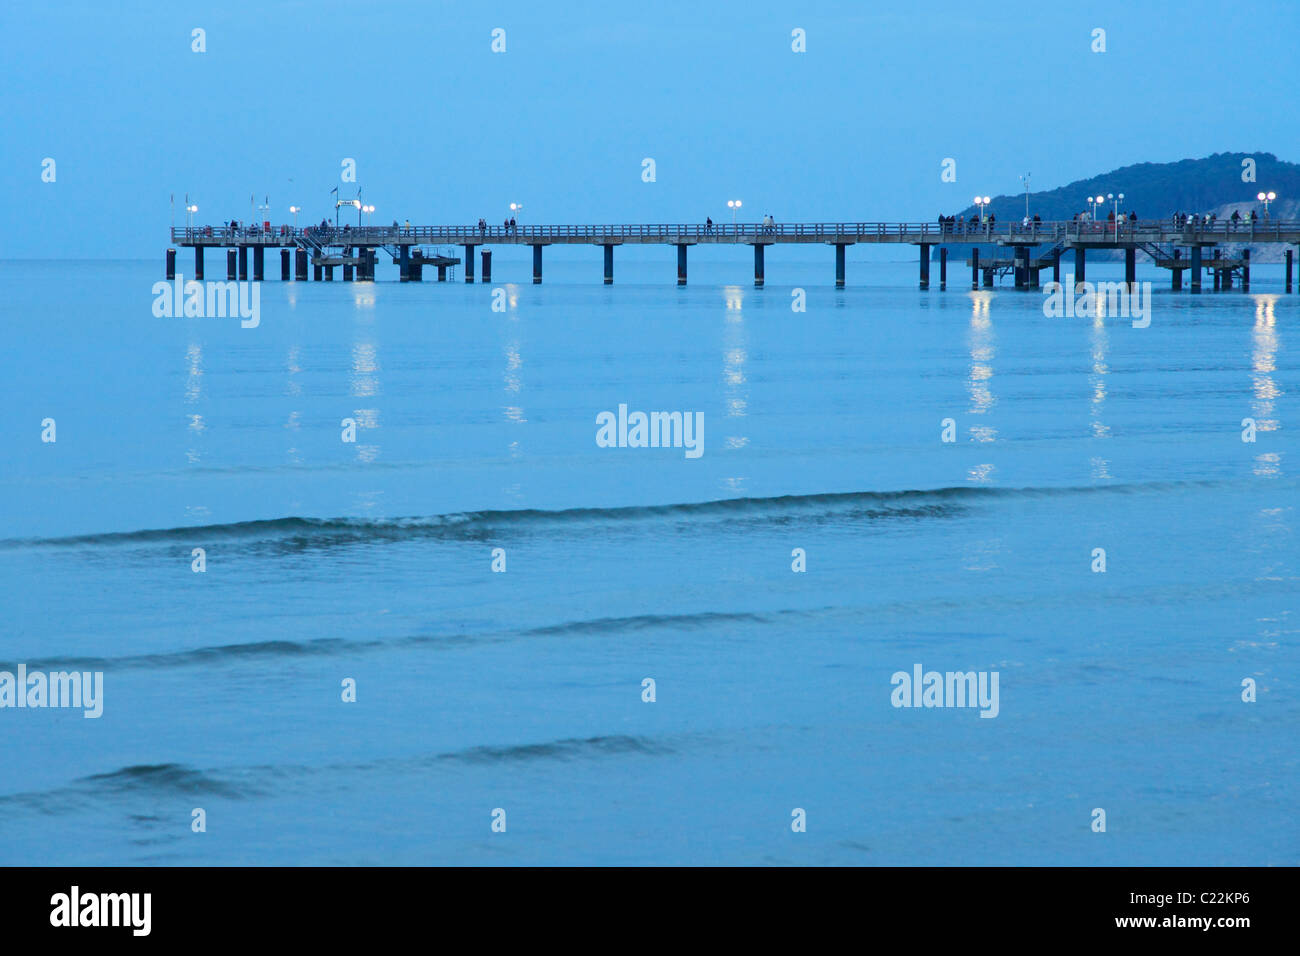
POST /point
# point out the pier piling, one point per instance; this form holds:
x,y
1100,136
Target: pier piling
x,y
609,263
469,262
839,265
925,266
975,268
1080,265
1021,267
758,264
1245,270
1196,269
284,265
300,265
943,268
486,255
171,267
243,263
1130,265
259,263
1176,272
1289,258
681,263
198,263
537,263
231,272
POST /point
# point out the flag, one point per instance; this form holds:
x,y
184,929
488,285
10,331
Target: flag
x,y
334,190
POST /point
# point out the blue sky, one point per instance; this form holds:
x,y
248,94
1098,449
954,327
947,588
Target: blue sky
x,y
444,130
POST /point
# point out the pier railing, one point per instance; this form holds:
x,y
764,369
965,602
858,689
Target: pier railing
x,y
1034,233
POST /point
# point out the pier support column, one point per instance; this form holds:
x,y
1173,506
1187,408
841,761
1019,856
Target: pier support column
x,y
486,256
1021,267
198,263
943,268
1245,270
609,263
1130,266
537,264
259,263
404,263
988,278
975,267
329,273
442,273
758,265
469,263
1177,280
1056,270
839,265
243,263
681,263
316,272
284,265
231,267
925,266
171,266
1289,258
415,271
347,267
1196,269
1080,265
300,265
1218,279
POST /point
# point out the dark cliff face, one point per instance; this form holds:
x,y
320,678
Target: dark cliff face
x,y
1158,190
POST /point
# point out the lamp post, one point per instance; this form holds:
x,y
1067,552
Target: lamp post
x,y
515,207
367,209
1025,179
733,205
190,210
1095,201
1266,198
295,210
982,202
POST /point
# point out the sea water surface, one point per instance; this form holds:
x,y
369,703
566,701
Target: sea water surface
x,y
522,691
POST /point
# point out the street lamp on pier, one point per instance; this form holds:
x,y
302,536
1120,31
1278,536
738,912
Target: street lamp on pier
x,y
982,202
1266,198
733,205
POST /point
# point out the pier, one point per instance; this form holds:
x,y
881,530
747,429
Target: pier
x,y
1033,247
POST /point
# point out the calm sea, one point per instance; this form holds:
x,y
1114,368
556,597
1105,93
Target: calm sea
x,y
371,561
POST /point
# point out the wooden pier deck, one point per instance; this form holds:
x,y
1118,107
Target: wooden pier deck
x,y
1035,246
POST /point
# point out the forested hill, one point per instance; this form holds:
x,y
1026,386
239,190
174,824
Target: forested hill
x,y
1157,190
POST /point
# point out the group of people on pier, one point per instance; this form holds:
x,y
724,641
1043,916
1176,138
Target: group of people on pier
x,y
961,226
